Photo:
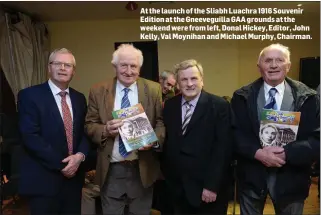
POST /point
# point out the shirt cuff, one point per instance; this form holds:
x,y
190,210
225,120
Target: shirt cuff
x,y
83,156
156,145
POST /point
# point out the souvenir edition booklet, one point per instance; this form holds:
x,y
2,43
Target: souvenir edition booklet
x,y
136,131
278,128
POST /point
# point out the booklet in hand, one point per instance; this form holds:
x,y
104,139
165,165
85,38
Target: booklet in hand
x,y
136,132
278,128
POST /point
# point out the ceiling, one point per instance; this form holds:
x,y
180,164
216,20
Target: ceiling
x,y
106,10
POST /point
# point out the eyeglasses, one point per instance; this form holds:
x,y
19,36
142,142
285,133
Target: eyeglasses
x,y
57,64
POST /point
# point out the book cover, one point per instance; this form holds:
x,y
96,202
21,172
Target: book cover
x,y
278,128
136,131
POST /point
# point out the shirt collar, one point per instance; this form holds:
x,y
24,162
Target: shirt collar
x,y
54,89
193,102
120,86
280,88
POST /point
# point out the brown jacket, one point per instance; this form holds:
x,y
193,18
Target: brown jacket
x,y
100,107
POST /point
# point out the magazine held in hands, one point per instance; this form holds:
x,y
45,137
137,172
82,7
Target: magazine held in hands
x,y
278,128
136,132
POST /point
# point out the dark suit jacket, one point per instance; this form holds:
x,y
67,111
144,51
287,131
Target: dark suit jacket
x,y
44,140
201,157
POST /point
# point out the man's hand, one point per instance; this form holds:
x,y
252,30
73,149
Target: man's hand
x,y
271,156
208,196
111,127
281,155
73,163
147,147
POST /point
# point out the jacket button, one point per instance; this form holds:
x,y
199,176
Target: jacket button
x,y
108,156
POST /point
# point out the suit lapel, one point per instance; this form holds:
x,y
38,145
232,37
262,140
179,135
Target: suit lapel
x,y
260,102
52,105
287,102
109,99
110,93
253,107
75,107
199,111
142,93
177,113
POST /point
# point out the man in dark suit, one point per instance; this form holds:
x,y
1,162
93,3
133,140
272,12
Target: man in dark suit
x,y
197,147
281,172
126,178
52,117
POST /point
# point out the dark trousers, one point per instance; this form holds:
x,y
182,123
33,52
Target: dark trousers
x,y
161,198
66,202
250,203
219,207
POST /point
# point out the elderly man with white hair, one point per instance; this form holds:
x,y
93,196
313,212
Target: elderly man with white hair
x,y
281,172
126,178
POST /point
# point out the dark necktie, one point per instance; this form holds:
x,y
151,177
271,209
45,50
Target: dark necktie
x,y
271,102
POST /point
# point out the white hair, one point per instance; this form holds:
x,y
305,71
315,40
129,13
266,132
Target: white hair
x,y
276,46
61,51
123,48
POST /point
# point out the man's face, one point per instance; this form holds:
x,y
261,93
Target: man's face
x,y
127,129
168,84
190,82
61,68
274,66
127,68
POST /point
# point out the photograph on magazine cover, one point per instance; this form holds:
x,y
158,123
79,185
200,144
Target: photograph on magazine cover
x,y
278,128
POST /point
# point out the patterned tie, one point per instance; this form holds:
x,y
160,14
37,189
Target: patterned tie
x,y
67,120
188,116
124,104
271,103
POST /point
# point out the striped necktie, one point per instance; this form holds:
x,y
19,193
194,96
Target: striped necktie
x,y
124,104
271,102
188,116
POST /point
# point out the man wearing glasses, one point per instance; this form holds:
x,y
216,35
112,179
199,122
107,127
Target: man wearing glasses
x,y
52,127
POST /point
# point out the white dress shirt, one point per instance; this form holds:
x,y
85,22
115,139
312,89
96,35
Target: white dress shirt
x,y
278,95
55,91
133,99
